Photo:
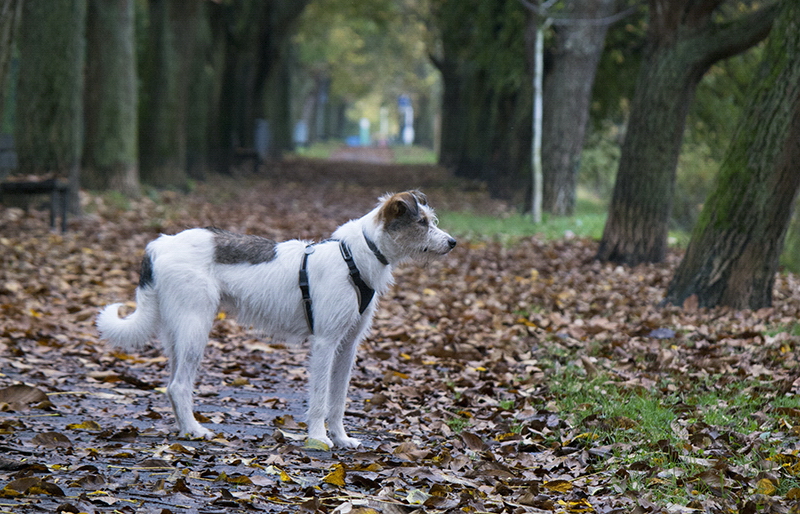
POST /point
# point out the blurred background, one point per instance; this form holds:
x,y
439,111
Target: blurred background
x,y
157,93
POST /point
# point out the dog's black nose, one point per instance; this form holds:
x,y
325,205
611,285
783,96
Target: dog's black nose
x,y
452,243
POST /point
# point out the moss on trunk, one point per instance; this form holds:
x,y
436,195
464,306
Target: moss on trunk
x,y
733,254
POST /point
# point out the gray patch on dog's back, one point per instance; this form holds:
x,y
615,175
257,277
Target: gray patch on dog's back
x,y
230,248
146,274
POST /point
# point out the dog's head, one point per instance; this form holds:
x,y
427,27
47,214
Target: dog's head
x,y
410,225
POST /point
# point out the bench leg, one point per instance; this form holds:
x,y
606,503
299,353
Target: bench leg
x,y
53,206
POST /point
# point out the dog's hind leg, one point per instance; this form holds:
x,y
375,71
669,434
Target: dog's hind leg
x,y
185,350
337,392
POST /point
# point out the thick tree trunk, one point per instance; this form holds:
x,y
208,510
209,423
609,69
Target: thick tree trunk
x,y
681,47
10,13
110,146
49,118
733,254
163,108
567,93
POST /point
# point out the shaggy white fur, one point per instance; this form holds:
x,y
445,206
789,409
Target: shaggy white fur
x,y
189,276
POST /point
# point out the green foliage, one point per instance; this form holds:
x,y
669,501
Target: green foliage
x,y
600,159
372,51
696,171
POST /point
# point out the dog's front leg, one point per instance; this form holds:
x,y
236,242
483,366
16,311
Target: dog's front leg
x,y
323,353
337,392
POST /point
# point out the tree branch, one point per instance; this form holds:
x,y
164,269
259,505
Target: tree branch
x,y
724,40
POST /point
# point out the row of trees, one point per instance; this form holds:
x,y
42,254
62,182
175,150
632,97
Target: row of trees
x,y
734,252
111,93
114,93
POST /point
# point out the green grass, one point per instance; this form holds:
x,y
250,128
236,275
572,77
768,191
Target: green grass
x,y
588,221
642,422
414,155
402,154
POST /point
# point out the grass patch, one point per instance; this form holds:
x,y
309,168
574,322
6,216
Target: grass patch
x,y
414,155
588,221
668,437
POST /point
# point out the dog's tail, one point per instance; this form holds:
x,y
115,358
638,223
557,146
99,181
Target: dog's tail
x,y
135,330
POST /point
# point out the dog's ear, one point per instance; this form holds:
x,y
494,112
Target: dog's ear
x,y
401,204
420,196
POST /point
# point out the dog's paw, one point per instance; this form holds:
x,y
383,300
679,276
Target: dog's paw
x,y
346,442
198,432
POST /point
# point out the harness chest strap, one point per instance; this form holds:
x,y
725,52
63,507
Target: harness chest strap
x,y
365,292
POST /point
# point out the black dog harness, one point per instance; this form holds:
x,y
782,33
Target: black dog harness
x,y
365,292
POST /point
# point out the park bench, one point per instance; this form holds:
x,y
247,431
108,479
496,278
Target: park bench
x,y
26,186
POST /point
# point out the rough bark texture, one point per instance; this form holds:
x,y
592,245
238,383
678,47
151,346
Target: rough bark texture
x,y
733,254
567,93
10,13
110,145
680,48
49,118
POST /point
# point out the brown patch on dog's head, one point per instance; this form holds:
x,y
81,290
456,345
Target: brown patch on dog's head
x,y
401,205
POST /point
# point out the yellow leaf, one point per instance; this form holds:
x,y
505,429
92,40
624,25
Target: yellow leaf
x,y
239,382
558,486
316,444
428,292
335,477
577,506
221,315
274,470
766,487
91,426
240,480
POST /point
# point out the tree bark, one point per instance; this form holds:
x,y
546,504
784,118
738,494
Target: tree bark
x,y
49,118
567,94
10,13
683,42
734,250
110,145
164,69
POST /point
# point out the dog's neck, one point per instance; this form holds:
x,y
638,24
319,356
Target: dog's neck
x,y
372,246
358,234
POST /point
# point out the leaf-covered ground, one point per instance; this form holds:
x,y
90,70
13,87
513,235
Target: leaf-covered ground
x,y
512,376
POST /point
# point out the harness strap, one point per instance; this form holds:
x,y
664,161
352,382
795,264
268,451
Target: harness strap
x,y
365,292
305,289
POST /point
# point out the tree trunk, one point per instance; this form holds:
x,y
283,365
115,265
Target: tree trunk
x,y
486,97
49,117
163,108
10,13
567,94
110,146
683,43
733,254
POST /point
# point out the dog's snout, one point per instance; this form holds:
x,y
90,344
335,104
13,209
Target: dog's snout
x,y
451,242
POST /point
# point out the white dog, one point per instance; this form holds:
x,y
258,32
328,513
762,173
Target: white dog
x,y
292,290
